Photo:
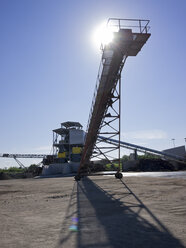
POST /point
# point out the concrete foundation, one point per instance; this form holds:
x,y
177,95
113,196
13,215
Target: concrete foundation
x,y
63,168
74,167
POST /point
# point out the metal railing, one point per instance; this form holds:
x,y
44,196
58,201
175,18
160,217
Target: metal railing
x,y
95,93
137,25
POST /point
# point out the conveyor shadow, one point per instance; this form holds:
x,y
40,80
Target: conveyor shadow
x,y
105,221
68,238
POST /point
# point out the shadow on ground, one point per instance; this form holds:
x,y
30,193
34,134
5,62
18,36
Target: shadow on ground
x,y
106,221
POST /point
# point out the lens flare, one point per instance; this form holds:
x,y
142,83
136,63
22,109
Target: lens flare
x,y
73,228
102,35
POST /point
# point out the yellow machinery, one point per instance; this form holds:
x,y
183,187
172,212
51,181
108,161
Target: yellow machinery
x,y
76,150
62,154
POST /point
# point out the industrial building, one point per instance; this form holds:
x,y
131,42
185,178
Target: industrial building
x,y
68,142
72,149
178,151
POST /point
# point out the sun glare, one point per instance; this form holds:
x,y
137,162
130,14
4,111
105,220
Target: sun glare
x,y
102,35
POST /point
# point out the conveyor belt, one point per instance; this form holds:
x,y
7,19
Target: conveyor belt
x,y
125,43
143,149
10,155
16,156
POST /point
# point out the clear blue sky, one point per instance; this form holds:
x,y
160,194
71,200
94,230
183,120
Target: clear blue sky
x,y
49,64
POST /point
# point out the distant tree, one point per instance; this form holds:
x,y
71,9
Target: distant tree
x,y
12,170
148,156
125,158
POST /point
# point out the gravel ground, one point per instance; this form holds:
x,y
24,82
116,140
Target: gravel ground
x,y
98,211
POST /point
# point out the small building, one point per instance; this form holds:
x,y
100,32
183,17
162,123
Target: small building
x,y
68,143
178,151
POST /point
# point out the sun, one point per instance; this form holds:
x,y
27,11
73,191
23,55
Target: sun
x,y
102,35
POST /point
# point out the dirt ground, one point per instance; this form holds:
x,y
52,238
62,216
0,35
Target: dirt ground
x,y
98,211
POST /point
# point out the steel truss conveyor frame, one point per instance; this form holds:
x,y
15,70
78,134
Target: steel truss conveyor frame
x,y
16,156
129,37
143,149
